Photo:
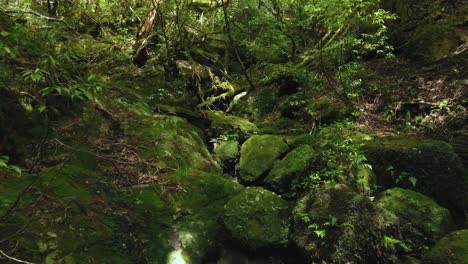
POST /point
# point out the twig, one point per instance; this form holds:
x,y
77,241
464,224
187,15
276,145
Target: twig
x,y
33,13
14,259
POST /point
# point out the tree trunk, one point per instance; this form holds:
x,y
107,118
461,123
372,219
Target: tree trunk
x,y
141,46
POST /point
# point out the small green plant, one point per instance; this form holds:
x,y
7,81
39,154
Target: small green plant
x,y
36,76
4,163
402,177
392,244
341,158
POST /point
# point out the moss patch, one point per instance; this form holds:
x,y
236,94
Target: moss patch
x,y
226,153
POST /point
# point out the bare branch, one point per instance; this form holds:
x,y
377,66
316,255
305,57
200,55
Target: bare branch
x,y
32,13
14,259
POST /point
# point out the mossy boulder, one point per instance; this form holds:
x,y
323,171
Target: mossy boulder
x,y
335,224
451,249
230,126
291,168
172,142
422,220
430,167
257,218
431,42
258,154
226,153
182,221
198,228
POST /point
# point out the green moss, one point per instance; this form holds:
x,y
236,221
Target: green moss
x,y
258,154
199,230
351,228
257,218
65,217
304,139
228,125
450,249
226,152
173,142
64,181
188,218
291,168
422,220
434,165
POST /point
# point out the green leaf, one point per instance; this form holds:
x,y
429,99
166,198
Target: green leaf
x,y
3,164
413,181
41,108
320,233
16,169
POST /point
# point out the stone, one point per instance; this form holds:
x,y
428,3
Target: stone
x,y
257,218
258,154
335,224
430,167
452,248
422,220
230,126
291,168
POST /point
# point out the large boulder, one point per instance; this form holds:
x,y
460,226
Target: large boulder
x,y
258,154
431,42
430,167
197,230
179,222
451,249
423,221
334,224
258,218
230,126
291,168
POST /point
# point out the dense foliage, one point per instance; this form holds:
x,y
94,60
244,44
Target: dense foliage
x,y
190,131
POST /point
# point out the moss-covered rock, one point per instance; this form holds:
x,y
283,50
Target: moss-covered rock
x,y
230,126
226,153
422,220
430,167
258,154
337,225
291,168
172,142
258,218
451,249
198,229
181,221
431,42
